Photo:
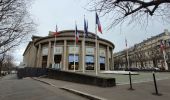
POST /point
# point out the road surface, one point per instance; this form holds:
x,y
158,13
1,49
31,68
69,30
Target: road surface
x,y
12,88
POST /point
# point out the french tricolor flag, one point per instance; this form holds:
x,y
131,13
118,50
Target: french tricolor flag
x,y
76,35
98,23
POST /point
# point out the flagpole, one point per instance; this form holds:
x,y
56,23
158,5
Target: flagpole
x,y
75,49
84,48
96,47
83,54
74,55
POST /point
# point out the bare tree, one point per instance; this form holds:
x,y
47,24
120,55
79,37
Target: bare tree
x,y
15,23
6,62
132,10
9,61
2,57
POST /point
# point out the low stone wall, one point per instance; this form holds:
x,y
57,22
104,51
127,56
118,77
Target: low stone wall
x,y
31,72
81,78
67,76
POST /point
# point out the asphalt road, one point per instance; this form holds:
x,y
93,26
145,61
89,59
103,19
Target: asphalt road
x,y
12,88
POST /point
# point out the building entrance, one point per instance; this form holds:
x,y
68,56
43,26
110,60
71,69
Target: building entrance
x,y
44,61
57,61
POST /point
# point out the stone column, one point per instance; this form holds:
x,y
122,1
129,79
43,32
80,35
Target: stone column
x,y
112,62
107,58
29,59
65,56
35,56
52,54
98,55
49,54
83,54
38,55
95,58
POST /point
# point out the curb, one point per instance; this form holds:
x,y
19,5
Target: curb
x,y
42,81
86,95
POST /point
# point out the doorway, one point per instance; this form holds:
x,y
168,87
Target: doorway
x,y
57,61
44,61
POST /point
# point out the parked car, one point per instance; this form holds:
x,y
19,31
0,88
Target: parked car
x,y
156,68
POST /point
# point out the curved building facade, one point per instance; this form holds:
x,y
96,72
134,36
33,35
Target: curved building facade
x,y
61,52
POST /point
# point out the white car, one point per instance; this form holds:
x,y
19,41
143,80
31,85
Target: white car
x,y
156,68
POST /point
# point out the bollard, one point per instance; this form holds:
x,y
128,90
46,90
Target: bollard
x,y
130,80
156,88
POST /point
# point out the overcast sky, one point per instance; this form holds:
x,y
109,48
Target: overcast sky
x,y
64,13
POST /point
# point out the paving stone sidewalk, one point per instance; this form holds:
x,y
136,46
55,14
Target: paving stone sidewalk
x,y
143,91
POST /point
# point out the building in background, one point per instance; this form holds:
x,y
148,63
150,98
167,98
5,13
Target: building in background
x,y
40,52
149,54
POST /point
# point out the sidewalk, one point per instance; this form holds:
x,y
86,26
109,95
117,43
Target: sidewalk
x,y
143,91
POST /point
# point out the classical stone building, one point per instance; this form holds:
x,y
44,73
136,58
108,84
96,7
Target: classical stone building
x,y
40,52
146,55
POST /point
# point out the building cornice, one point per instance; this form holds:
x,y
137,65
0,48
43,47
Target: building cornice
x,y
66,34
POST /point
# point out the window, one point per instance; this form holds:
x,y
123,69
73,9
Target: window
x,y
71,58
102,63
89,62
71,62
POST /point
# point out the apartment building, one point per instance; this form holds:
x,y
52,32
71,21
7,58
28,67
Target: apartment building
x,y
149,54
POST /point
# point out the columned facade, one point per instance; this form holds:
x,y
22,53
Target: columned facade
x,y
62,53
